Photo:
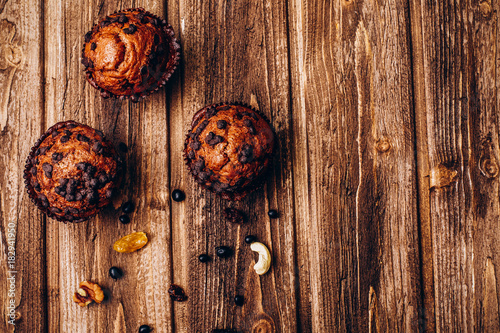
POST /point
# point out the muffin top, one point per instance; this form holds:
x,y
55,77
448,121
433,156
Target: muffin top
x,y
228,148
72,171
130,54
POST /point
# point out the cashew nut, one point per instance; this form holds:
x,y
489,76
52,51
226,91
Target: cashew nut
x,y
262,266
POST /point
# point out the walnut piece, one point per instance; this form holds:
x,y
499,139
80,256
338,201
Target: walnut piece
x,y
88,292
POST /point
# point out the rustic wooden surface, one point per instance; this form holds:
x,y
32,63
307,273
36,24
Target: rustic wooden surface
x,y
386,176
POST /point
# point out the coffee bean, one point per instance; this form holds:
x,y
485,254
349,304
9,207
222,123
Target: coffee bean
x,y
239,300
128,207
115,273
221,124
223,251
88,36
123,19
64,139
204,258
97,147
124,219
273,214
250,239
144,329
178,195
176,293
93,46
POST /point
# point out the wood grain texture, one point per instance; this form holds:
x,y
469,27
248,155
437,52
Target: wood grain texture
x,y
234,52
21,121
354,166
386,175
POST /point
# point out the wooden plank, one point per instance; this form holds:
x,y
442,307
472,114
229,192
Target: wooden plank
x,y
76,252
354,166
461,109
233,51
21,122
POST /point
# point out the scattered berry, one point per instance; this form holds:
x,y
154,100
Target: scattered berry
x,y
273,214
239,300
250,239
128,207
204,258
178,195
144,329
223,251
115,272
124,219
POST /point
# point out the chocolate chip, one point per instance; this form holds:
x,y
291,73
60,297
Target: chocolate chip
x,y
211,112
218,139
78,197
56,157
90,169
246,153
140,16
113,19
68,132
103,179
199,165
92,197
93,46
55,210
97,147
55,133
144,69
88,36
63,181
203,176
209,137
105,23
123,19
73,210
81,166
61,190
130,30
202,126
43,200
47,167
33,170
64,139
164,22
224,108
247,122
154,21
83,138
221,124
196,145
156,39
109,193
93,183
191,155
99,133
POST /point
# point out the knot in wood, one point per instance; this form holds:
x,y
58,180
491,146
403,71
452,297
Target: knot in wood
x,y
485,9
442,176
383,144
263,326
489,167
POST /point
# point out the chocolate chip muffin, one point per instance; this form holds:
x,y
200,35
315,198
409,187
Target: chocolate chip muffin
x,y
228,149
130,54
71,172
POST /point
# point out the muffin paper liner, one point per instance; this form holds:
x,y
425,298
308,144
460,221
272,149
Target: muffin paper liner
x,y
172,63
256,183
29,164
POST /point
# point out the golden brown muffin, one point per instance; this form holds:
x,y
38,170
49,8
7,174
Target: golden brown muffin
x,y
228,149
72,171
130,53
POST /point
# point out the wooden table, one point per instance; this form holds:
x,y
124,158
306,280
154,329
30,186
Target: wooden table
x,y
386,178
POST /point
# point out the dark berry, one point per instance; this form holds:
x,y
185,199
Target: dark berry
x,y
144,329
128,207
124,219
239,300
204,258
115,272
223,251
273,214
250,239
178,195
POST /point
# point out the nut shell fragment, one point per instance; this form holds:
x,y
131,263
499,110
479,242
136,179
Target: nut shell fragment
x,y
131,243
